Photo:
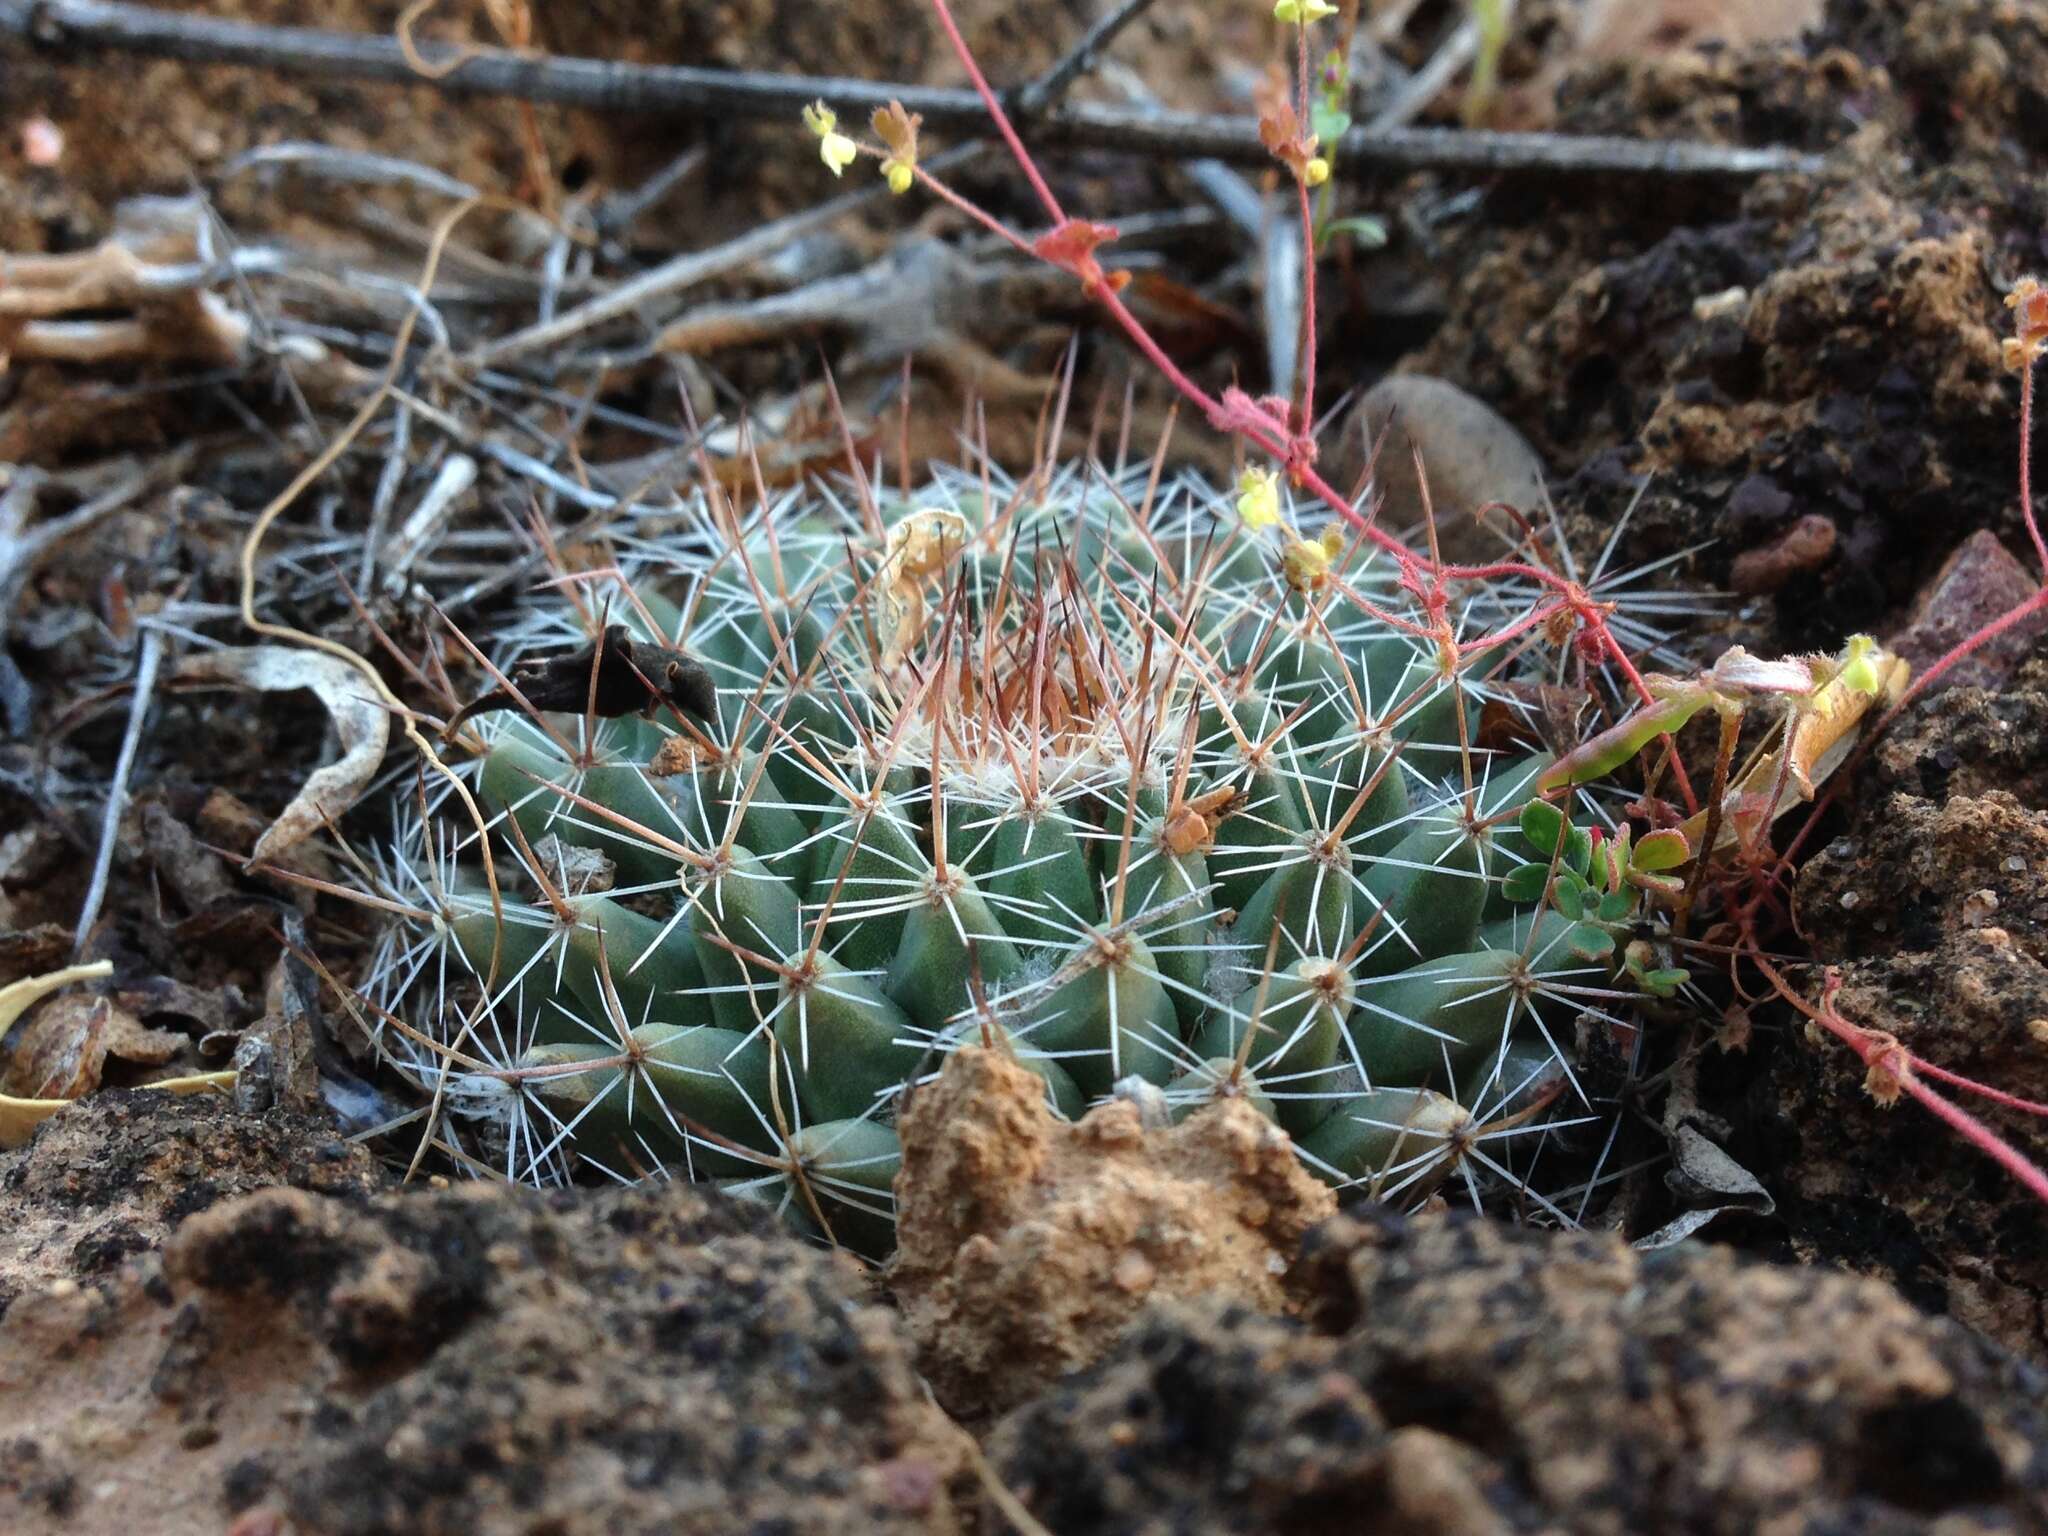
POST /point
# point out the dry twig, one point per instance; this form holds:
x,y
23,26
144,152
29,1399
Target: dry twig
x,y
89,26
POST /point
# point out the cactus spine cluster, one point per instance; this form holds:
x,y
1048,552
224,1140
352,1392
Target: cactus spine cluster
x,y
1084,766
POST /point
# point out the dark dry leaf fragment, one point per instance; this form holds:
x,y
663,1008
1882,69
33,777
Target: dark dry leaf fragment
x,y
632,676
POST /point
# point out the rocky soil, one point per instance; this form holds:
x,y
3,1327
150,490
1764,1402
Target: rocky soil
x,y
490,1359
218,1317
1459,1376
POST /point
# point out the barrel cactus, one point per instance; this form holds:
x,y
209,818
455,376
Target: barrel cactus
x,y
1087,767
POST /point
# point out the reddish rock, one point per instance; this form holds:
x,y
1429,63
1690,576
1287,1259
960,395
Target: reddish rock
x,y
1978,583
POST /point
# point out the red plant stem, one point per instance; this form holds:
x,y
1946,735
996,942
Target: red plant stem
x,y
1981,638
1875,1052
996,112
1997,1096
1306,416
1140,338
2026,466
975,212
1905,1068
1300,470
2033,604
1956,653
1980,1136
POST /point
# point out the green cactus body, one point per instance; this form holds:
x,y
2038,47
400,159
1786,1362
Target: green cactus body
x,y
651,966
734,797
1297,1054
1308,901
849,1048
1426,891
1217,1078
1151,755
1271,832
1304,677
1167,896
1031,862
850,1167
516,780
1391,1134
1515,1077
932,974
523,987
1112,1019
866,861
1357,765
1406,685
685,1094
1408,1025
742,906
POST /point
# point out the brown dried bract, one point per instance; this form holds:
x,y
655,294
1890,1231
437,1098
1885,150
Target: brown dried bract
x,y
613,674
1191,825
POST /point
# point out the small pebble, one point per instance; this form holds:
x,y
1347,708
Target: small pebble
x,y
1806,546
1134,1273
1472,455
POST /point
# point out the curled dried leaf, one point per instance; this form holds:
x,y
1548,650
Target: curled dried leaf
x,y
359,720
20,1116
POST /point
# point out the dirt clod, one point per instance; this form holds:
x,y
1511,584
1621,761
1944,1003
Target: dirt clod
x,y
1027,1245
1978,583
1471,455
1461,1376
115,1172
649,1360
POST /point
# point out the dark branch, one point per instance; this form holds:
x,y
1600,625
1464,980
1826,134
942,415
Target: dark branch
x,y
1051,87
90,26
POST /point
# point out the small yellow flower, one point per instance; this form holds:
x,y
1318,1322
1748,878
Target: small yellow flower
x,y
1302,12
1258,498
834,147
838,152
1859,667
1305,565
1316,172
901,177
